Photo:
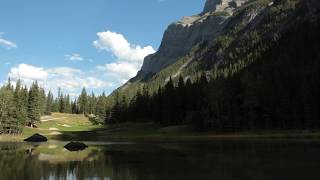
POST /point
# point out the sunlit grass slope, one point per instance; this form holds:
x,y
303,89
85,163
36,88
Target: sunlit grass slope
x,y
59,123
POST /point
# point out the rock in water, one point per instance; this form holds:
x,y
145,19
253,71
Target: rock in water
x,y
75,146
36,138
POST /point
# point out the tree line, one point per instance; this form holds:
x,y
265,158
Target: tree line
x,y
21,106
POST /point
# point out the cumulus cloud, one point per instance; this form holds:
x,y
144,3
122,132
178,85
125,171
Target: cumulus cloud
x,y
129,57
70,79
119,71
73,78
120,47
28,73
7,43
74,57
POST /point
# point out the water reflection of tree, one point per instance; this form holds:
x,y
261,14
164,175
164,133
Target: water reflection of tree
x,y
17,162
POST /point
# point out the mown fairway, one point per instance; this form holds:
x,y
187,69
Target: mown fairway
x,y
59,123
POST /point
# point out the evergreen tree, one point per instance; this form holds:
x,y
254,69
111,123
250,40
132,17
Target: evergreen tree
x,y
114,114
42,100
20,106
75,108
83,102
49,104
8,124
101,109
34,111
68,104
91,103
62,103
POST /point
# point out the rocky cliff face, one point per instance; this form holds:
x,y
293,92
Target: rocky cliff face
x,y
222,5
181,36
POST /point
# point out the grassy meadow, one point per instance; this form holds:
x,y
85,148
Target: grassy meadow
x,y
70,127
54,125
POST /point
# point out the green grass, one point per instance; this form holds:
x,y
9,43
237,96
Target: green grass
x,y
79,128
60,124
149,132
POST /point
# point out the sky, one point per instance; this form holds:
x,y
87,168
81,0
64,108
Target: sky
x,y
71,44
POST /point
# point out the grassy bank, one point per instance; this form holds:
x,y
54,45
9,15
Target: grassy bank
x,y
153,133
67,127
54,125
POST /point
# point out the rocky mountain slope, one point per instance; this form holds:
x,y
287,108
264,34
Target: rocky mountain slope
x,y
182,35
225,38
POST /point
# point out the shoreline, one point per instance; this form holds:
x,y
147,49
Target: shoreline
x,y
91,136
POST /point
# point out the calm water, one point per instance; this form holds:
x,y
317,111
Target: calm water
x,y
272,160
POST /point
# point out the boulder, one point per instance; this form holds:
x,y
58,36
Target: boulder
x,y
75,146
36,138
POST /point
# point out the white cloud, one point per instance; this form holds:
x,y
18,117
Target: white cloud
x,y
73,78
120,47
129,57
69,79
7,43
28,73
119,71
74,57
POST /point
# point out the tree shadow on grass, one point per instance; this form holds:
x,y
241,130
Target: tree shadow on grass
x,y
118,132
92,135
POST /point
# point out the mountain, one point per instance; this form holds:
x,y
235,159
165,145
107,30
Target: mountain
x,y
236,66
224,34
181,36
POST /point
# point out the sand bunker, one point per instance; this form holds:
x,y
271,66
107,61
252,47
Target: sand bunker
x,y
55,133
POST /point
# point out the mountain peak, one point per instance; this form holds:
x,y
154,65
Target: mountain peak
x,y
222,5
181,36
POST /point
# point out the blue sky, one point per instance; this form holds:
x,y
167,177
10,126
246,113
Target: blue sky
x,y
74,43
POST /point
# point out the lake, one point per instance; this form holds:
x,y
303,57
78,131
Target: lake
x,y
221,160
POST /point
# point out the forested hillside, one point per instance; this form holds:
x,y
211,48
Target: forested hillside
x,y
279,90
262,73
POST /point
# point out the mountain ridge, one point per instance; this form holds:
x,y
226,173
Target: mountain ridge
x,y
260,22
182,35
